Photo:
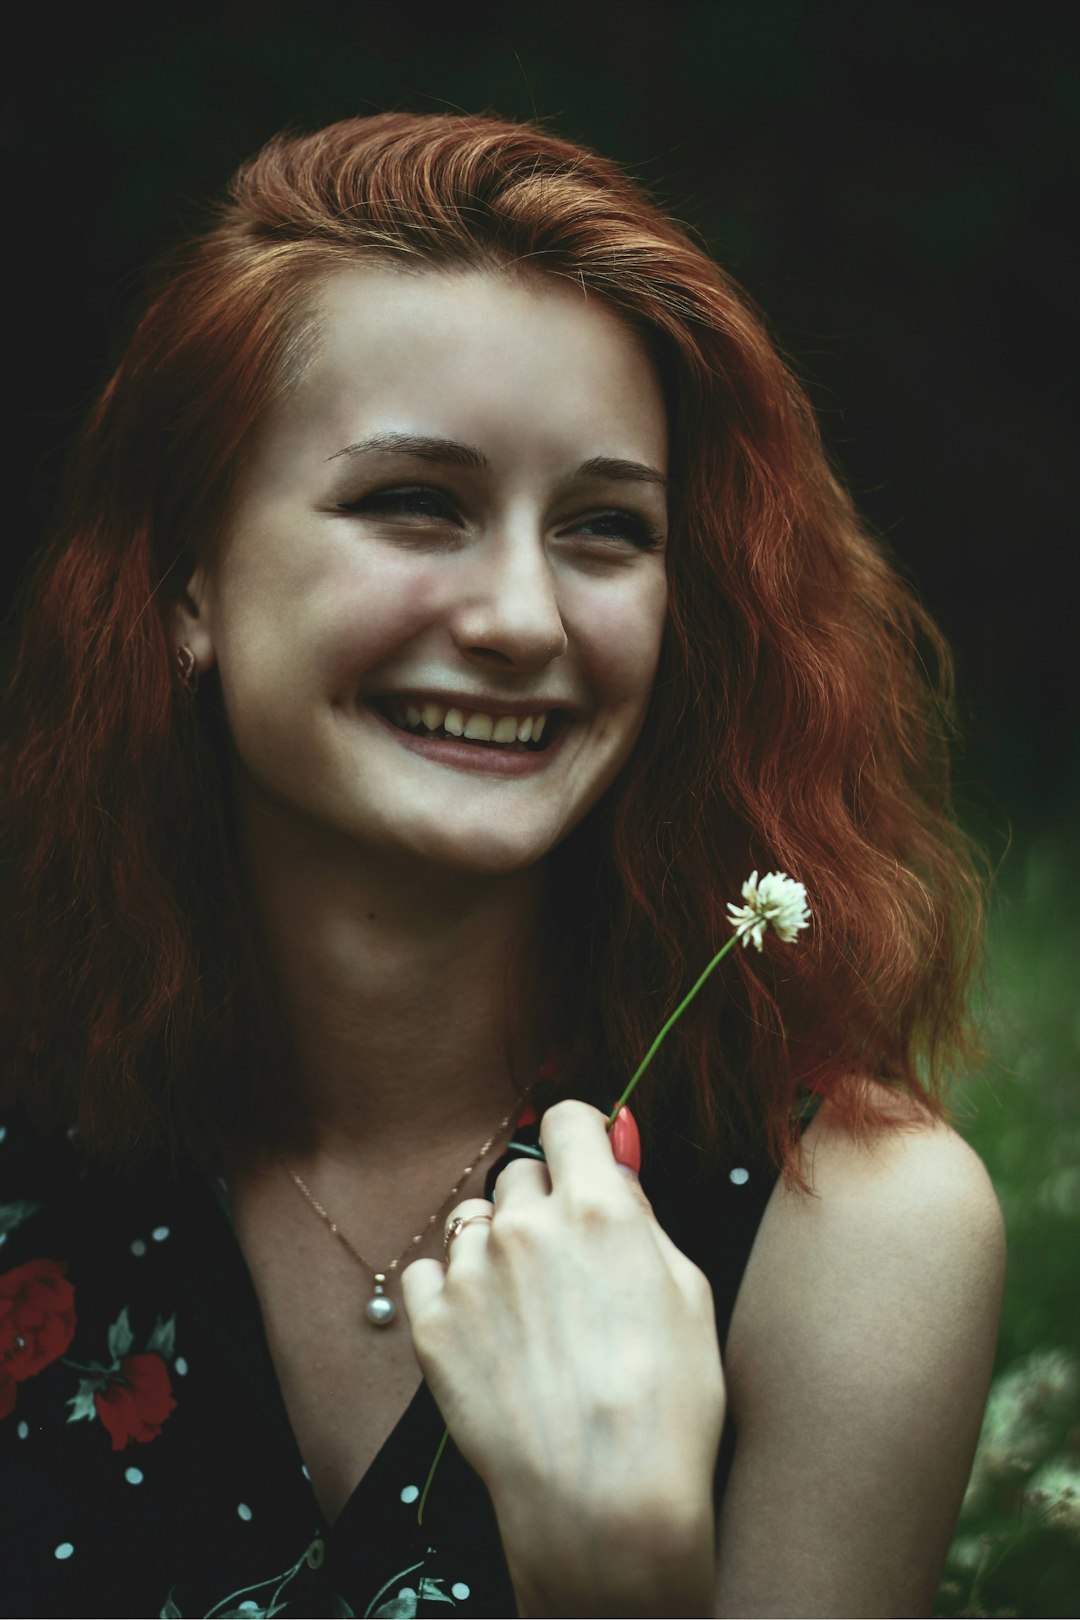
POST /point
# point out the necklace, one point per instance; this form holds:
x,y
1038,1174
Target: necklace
x,y
380,1310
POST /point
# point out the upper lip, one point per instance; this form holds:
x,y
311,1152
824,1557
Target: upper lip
x,y
474,702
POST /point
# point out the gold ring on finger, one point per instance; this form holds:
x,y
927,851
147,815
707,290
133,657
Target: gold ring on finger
x,y
456,1225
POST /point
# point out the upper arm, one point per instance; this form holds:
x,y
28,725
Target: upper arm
x,y
857,1366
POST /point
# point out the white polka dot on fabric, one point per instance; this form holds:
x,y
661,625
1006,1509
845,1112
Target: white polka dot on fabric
x,y
739,1176
64,1550
304,1470
244,1512
134,1476
181,1365
460,1591
410,1493
3,1132
159,1234
138,1247
23,1430
3,1239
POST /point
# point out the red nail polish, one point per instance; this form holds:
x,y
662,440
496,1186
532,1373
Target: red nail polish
x,y
625,1141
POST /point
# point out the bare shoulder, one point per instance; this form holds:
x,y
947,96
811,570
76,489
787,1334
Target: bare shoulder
x,y
921,1169
857,1365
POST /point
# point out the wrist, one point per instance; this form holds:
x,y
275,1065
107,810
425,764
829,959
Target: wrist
x,y
654,1563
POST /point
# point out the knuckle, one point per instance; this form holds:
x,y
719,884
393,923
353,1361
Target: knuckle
x,y
467,1208
515,1229
516,1170
569,1109
590,1209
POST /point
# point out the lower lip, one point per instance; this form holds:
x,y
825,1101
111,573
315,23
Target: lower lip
x,y
463,756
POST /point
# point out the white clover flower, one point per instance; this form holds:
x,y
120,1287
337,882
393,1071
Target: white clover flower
x,y
776,902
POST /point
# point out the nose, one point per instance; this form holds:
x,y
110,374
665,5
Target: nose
x,y
509,612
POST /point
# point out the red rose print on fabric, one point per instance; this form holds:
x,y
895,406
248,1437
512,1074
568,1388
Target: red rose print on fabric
x,y
136,1401
37,1323
131,1395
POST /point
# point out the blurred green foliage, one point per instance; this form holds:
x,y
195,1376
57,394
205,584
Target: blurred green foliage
x,y
1017,1547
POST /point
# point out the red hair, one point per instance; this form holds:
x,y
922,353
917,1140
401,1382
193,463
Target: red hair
x,y
800,716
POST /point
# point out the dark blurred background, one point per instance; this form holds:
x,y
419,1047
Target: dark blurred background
x,y
895,185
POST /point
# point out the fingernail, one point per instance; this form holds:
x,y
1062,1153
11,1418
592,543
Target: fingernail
x,y
625,1141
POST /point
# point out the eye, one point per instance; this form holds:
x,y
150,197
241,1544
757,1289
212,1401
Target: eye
x,y
616,525
420,500
424,501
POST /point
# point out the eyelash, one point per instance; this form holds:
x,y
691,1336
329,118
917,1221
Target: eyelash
x,y
637,530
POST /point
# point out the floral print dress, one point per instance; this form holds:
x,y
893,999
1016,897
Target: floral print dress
x,y
147,1465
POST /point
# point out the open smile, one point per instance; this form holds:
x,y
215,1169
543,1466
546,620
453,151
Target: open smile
x,y
468,739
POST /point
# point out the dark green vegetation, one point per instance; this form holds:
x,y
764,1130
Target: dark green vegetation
x,y
1017,1548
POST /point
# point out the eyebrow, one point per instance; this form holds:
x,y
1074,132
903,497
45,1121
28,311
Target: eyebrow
x,y
452,453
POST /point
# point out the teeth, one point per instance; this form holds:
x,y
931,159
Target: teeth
x,y
477,727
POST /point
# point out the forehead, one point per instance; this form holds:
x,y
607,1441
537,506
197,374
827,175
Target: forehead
x,y
488,357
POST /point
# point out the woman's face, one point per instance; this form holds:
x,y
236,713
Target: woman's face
x,y
456,520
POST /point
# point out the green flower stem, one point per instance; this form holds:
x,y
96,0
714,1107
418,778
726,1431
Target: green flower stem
x,y
431,1476
680,1009
95,1370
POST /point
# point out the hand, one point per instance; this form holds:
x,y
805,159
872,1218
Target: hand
x,y
572,1350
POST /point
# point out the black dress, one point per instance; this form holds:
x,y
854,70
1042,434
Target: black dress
x,y
147,1465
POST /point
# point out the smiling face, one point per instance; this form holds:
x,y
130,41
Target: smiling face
x,y
455,523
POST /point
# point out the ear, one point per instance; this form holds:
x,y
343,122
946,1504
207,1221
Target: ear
x,y
192,620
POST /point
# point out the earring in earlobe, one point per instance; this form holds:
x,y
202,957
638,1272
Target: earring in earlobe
x,y
188,671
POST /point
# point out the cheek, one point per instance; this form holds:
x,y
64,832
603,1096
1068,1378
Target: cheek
x,y
319,629
362,622
622,632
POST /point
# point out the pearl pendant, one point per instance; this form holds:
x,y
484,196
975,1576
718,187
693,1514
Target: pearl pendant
x,y
380,1310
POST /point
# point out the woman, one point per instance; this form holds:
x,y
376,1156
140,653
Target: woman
x,y
451,605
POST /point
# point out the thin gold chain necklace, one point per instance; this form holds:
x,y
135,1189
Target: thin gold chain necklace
x,y
381,1310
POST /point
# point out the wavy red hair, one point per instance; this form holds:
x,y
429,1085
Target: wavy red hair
x,y
800,719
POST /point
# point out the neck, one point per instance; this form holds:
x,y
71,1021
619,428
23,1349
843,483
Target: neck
x,y
400,988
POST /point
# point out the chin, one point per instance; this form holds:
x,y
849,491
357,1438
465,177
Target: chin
x,y
490,857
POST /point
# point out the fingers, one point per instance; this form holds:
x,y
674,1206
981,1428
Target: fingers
x,y
582,1164
523,1180
579,1151
469,1236
422,1282
574,1138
